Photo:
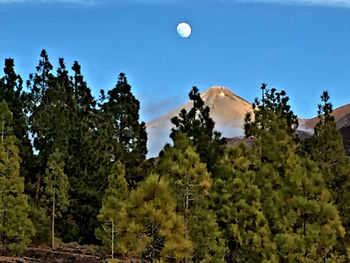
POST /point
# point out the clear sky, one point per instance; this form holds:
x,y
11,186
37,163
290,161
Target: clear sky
x,y
301,46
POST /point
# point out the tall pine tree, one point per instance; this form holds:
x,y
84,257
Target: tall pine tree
x,y
198,126
304,225
56,189
11,90
191,182
38,83
154,230
237,203
326,148
113,212
89,157
129,134
16,228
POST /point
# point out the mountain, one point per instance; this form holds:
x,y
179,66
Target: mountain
x,y
228,111
340,114
226,108
342,118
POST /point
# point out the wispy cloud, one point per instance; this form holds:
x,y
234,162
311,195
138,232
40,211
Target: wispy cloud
x,y
329,3
51,1
88,2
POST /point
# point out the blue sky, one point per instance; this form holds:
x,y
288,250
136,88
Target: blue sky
x,y
301,46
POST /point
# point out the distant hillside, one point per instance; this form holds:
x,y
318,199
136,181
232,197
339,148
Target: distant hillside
x,y
342,117
338,113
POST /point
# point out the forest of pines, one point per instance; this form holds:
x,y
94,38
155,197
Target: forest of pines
x,y
74,168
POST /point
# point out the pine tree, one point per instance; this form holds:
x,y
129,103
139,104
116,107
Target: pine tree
x,y
89,182
154,230
326,148
51,122
41,222
56,189
191,182
16,228
198,126
129,134
38,83
82,92
60,120
113,212
236,198
54,114
89,158
271,102
304,225
11,90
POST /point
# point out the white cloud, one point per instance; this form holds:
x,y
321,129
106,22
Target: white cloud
x,y
48,1
330,3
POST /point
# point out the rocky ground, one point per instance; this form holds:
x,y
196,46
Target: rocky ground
x,y
68,253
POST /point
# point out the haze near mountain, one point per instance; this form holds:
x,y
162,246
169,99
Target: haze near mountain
x,y
226,108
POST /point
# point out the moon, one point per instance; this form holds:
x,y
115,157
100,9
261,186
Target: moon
x,y
184,30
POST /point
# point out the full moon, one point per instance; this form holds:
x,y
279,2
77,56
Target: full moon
x,y
184,29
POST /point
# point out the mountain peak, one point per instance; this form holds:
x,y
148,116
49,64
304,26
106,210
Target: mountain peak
x,y
226,108
218,91
225,105
217,94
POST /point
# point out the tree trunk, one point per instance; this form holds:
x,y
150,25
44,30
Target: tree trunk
x,y
112,238
53,224
37,192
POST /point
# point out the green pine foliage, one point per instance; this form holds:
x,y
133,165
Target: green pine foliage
x,y
11,90
181,164
237,203
16,229
191,182
91,179
310,224
295,199
56,189
112,215
52,118
154,229
128,134
204,233
52,124
326,148
198,126
275,102
38,83
41,222
64,116
281,200
89,158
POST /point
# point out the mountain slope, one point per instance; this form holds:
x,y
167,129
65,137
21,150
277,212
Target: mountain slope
x,y
339,114
228,111
342,117
226,108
